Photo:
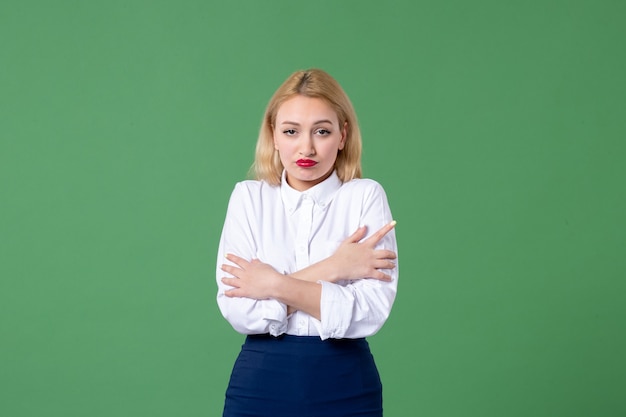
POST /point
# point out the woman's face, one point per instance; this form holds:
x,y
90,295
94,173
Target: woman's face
x,y
307,136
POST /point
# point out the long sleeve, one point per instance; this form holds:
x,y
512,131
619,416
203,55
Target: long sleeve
x,y
360,308
246,315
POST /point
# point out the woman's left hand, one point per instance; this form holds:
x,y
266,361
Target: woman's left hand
x,y
252,279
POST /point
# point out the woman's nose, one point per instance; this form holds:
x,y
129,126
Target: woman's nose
x,y
306,146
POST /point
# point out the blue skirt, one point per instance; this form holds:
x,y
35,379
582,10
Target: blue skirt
x,y
304,376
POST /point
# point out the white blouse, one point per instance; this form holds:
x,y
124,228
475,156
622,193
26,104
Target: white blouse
x,y
291,230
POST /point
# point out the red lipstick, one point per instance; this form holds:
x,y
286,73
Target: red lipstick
x,y
306,163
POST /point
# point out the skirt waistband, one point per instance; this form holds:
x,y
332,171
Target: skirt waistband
x,y
305,344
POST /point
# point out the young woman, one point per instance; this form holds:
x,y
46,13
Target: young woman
x,y
297,272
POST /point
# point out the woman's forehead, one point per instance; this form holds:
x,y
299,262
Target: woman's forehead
x,y
301,109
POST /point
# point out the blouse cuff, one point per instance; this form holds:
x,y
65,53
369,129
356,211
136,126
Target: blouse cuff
x,y
276,314
335,310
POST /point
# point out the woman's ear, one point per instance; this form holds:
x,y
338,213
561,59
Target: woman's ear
x,y
344,136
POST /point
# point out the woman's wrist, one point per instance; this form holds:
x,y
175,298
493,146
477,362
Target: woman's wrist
x,y
324,270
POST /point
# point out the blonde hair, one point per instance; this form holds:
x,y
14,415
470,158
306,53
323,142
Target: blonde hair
x,y
313,83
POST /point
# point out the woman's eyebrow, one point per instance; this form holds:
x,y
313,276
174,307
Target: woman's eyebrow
x,y
323,121
288,122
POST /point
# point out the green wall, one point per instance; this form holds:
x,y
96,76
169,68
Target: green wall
x,y
497,129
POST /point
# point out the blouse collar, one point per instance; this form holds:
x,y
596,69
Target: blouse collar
x,y
321,194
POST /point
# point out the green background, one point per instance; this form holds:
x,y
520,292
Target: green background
x,y
496,127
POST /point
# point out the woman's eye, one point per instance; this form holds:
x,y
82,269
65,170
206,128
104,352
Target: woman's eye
x,y
289,132
323,132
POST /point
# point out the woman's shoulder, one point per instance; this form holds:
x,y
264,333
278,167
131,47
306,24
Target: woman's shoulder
x,y
254,188
361,189
361,185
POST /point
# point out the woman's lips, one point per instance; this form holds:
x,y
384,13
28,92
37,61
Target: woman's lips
x,y
306,163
